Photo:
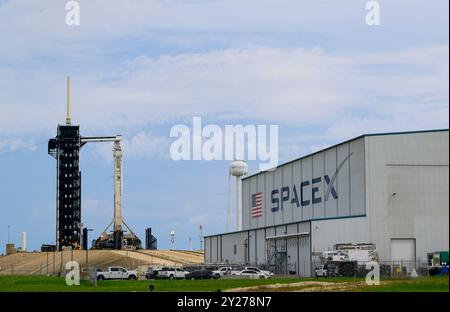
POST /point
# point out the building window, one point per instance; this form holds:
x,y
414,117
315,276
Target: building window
x,y
235,249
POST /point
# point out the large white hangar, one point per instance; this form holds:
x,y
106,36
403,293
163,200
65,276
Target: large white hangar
x,y
389,189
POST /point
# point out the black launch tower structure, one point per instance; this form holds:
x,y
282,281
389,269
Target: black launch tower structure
x,y
65,148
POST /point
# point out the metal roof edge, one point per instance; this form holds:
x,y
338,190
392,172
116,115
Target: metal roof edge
x,y
344,142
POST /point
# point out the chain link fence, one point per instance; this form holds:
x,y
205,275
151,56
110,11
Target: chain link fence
x,y
387,269
54,264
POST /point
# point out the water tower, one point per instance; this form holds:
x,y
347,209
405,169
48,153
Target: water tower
x,y
238,168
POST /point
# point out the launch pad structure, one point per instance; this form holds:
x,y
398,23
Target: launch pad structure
x,y
65,148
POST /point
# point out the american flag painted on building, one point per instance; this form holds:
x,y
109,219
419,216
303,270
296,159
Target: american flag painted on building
x,y
257,209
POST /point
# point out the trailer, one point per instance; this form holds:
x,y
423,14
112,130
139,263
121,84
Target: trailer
x,y
337,269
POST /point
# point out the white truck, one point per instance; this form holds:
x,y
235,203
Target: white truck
x,y
223,271
171,273
116,273
334,255
360,255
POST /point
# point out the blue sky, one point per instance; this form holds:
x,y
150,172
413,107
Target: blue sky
x,y
139,67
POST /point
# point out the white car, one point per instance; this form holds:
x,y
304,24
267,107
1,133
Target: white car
x,y
253,274
322,271
259,270
116,273
172,273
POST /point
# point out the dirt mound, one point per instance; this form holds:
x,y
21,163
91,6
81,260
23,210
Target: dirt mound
x,y
43,263
307,286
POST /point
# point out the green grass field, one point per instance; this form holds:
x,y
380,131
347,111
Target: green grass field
x,y
431,284
55,284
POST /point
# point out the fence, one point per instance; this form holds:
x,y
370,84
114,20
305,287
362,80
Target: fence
x,y
388,269
54,263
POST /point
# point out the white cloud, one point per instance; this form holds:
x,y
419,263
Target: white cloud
x,y
141,146
17,144
290,86
342,94
146,145
43,21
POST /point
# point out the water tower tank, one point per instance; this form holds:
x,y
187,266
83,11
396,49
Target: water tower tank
x,y
238,168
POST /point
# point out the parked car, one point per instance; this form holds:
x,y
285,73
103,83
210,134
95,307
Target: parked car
x,y
151,274
258,270
200,274
438,270
253,274
116,273
322,271
222,271
171,273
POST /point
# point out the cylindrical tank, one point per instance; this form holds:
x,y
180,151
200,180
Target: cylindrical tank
x,y
24,241
238,168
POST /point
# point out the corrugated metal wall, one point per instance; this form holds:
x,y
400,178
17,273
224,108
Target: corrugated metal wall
x,y
407,190
326,233
251,247
405,178
313,172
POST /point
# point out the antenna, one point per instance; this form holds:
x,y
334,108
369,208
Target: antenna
x,y
68,119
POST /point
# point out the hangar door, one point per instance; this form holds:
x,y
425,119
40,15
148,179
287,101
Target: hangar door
x,y
403,251
282,249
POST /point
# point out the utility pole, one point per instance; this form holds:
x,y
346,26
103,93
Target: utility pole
x,y
9,228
